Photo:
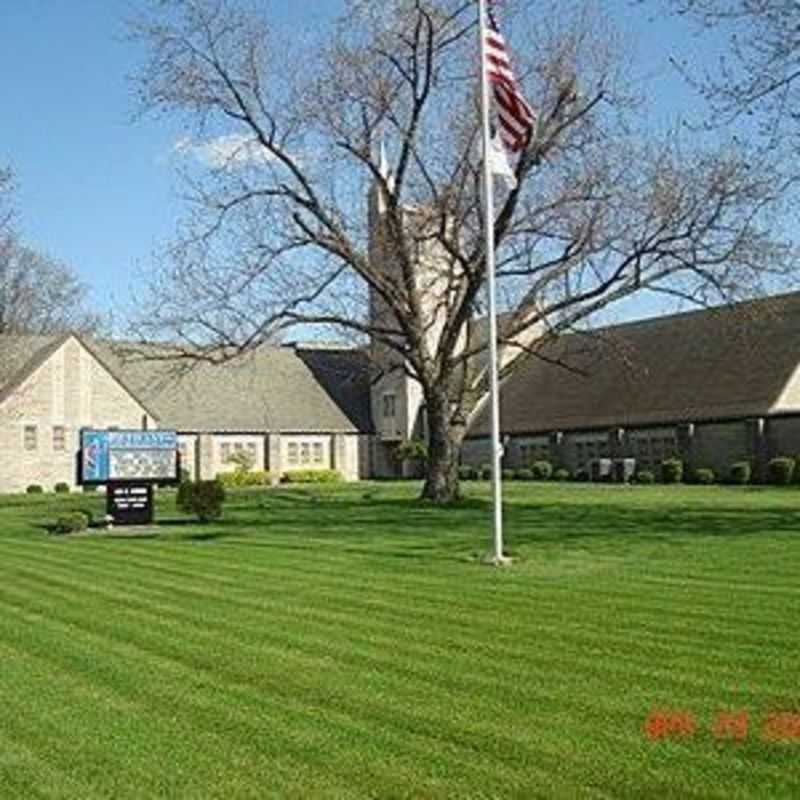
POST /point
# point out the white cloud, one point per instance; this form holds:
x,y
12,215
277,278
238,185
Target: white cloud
x,y
231,151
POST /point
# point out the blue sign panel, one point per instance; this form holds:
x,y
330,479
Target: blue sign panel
x,y
94,456
129,456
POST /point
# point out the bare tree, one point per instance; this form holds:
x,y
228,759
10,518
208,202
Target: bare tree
x,y
758,78
279,233
39,294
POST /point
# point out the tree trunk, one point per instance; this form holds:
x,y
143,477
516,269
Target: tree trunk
x,y
444,449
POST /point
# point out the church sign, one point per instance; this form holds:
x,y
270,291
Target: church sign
x,y
129,464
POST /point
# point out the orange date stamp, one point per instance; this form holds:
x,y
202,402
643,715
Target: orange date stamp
x,y
733,726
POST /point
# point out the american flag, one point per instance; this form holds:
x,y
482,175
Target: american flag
x,y
516,118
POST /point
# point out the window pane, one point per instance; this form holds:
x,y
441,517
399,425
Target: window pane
x,y
30,437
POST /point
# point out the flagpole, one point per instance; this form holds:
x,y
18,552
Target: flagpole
x,y
488,226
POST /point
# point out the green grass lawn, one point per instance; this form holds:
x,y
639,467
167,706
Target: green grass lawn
x,y
347,642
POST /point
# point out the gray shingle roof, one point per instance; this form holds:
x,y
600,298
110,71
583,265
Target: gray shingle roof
x,y
711,364
21,355
272,388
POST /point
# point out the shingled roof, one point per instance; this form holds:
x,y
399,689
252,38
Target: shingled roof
x,y
21,355
723,363
269,389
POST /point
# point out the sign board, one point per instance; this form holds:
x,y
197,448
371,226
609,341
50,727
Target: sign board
x,y
114,456
130,504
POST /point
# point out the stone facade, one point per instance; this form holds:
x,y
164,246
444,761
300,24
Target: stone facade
x,y
715,445
41,420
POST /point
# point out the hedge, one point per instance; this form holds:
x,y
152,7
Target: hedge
x,y
240,478
311,476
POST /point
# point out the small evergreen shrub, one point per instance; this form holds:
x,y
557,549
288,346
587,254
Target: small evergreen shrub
x,y
242,459
203,498
561,474
467,472
704,476
61,488
523,474
739,473
780,471
485,473
508,474
34,488
671,470
645,476
73,522
312,476
542,470
582,475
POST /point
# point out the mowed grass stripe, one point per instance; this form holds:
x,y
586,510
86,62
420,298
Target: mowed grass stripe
x,y
589,741
652,633
546,697
648,655
471,760
372,632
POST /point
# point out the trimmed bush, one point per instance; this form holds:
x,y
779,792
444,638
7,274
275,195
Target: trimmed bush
x,y
542,470
780,471
311,476
671,470
739,473
561,474
467,473
61,488
73,522
582,475
203,498
523,474
704,476
34,488
508,474
645,476
485,472
241,478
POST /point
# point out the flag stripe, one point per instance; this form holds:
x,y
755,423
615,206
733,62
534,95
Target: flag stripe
x,y
515,116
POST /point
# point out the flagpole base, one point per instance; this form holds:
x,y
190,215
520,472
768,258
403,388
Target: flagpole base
x,y
493,560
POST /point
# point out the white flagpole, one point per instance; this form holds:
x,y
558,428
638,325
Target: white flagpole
x,y
488,210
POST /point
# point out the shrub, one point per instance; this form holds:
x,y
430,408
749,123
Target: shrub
x,y
34,488
89,488
582,475
739,473
523,474
485,472
240,478
542,470
411,450
508,474
561,474
311,476
671,470
645,476
203,498
467,472
780,471
183,498
73,522
61,488
242,459
704,476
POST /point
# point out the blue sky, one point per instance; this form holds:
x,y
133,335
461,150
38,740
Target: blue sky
x,y
97,188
